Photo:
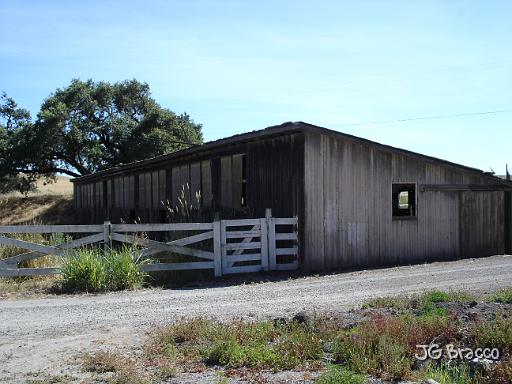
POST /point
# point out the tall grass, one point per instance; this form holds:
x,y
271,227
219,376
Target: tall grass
x,y
88,270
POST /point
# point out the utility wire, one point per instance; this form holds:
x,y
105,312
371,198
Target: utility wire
x,y
423,118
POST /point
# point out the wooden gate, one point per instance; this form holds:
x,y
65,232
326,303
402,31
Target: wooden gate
x,y
228,246
254,245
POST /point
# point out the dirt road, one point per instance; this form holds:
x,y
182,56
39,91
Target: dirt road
x,y
45,334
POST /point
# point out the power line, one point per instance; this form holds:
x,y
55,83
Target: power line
x,y
423,118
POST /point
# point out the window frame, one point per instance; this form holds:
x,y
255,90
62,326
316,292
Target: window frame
x,y
404,217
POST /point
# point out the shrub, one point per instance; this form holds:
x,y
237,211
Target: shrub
x,y
88,270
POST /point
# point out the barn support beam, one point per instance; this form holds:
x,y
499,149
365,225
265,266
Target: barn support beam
x,y
465,187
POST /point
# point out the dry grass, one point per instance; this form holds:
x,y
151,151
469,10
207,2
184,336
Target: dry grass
x,y
41,209
50,204
61,186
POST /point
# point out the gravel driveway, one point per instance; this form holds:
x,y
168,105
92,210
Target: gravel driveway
x,y
45,334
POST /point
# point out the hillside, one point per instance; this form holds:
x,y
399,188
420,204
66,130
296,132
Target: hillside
x,y
50,204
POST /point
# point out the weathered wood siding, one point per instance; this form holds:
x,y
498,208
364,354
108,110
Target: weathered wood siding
x,y
348,210
339,187
212,182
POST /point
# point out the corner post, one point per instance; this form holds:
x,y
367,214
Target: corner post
x,y
271,239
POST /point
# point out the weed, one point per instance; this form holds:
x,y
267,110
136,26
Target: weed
x,y
496,333
104,361
401,303
501,373
128,376
502,296
166,372
238,344
423,304
124,369
385,345
340,375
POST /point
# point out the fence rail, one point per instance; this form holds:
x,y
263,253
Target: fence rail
x,y
228,246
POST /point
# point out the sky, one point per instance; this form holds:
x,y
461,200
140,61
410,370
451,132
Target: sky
x,y
238,66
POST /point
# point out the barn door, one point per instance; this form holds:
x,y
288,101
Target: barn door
x,y
481,223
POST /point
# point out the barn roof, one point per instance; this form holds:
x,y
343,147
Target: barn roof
x,y
276,130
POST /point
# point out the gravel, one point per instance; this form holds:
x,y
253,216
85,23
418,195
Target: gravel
x,y
46,334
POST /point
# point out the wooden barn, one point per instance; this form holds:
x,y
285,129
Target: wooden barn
x,y
359,203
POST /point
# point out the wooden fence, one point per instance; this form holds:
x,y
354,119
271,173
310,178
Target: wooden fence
x,y
225,246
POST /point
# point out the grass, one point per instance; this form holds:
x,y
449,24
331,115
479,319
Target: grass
x,y
261,345
502,296
423,304
88,270
382,345
446,374
385,345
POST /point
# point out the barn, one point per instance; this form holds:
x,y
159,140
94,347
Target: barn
x,y
359,203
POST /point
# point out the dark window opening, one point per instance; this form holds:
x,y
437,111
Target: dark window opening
x,y
105,195
404,200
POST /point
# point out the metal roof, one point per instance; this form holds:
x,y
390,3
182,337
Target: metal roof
x,y
276,130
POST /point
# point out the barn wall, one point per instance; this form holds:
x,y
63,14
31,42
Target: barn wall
x,y
269,172
348,209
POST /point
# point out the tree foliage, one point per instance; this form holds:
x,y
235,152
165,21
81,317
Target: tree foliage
x,y
90,126
14,122
86,127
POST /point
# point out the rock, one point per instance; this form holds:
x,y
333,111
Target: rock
x,y
480,365
420,365
431,381
303,318
328,347
280,321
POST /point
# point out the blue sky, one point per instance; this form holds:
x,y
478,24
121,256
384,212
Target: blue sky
x,y
236,66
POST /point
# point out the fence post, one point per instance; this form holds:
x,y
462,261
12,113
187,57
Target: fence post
x,y
264,243
271,239
217,253
106,236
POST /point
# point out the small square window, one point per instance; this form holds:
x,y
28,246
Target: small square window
x,y
404,200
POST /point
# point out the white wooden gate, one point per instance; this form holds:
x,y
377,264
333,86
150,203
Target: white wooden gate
x,y
235,246
254,245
